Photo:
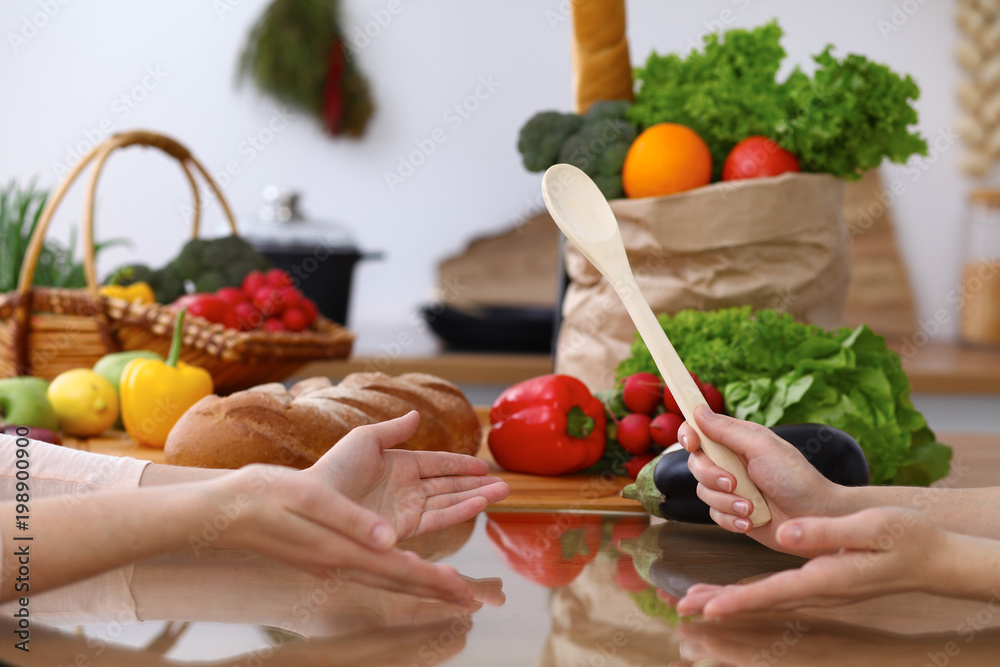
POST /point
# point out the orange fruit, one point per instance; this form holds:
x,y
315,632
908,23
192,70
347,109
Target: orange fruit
x,y
664,159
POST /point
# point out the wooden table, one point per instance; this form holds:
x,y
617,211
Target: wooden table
x,y
571,598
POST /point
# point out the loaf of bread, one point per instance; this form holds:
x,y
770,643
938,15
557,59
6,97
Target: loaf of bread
x,y
294,427
601,66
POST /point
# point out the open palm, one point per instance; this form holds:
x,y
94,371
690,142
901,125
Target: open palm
x,y
418,492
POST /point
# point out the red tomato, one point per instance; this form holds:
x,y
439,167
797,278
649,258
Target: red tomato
x,y
757,157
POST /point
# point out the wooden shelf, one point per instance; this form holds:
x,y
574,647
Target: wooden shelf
x,y
937,368
949,368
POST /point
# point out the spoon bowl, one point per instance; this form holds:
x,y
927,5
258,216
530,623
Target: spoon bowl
x,y
584,216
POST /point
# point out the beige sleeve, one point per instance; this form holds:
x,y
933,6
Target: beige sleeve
x,y
53,470
601,66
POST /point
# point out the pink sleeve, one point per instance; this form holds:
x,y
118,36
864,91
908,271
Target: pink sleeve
x,y
54,470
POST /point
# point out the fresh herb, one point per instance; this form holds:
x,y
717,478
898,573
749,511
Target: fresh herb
x,y
842,120
20,210
774,370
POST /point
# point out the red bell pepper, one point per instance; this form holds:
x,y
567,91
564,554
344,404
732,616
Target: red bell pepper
x,y
549,425
550,549
209,307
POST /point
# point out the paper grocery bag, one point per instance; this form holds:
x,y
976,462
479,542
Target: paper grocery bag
x,y
769,243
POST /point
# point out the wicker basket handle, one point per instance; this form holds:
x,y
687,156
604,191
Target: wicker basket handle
x,y
101,152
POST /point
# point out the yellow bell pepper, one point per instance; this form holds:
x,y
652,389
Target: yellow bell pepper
x,y
136,292
154,394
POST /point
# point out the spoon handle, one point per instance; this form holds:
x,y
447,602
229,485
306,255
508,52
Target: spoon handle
x,y
683,388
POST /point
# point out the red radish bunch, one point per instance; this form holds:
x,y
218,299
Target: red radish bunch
x,y
654,417
267,301
270,301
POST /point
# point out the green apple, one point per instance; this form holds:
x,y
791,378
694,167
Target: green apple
x,y
111,366
23,402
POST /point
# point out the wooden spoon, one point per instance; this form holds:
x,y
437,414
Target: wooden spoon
x,y
583,215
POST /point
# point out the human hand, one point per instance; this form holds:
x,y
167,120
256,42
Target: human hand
x,y
791,486
300,519
417,491
874,552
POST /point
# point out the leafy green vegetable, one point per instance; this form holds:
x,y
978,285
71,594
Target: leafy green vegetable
x,y
774,370
850,115
726,93
842,120
20,210
726,345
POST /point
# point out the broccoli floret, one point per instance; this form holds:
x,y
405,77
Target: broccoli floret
x,y
606,109
543,136
610,185
587,148
599,148
167,285
191,259
211,281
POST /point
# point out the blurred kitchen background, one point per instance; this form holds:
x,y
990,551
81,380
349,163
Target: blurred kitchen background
x,y
452,83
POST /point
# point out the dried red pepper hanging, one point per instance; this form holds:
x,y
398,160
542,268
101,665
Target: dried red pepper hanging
x,y
297,54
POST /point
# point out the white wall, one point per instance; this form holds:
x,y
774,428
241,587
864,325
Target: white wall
x,y
66,83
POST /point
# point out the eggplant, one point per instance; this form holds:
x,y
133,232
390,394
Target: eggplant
x,y
834,453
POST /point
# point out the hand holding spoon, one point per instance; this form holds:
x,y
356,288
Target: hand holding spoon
x,y
583,215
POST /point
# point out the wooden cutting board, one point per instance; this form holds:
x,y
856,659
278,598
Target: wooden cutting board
x,y
590,493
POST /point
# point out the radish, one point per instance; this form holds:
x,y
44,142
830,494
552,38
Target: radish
x,y
642,392
633,433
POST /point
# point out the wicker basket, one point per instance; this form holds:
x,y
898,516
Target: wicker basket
x,y
45,331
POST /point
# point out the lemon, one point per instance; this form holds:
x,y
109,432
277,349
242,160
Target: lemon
x,y
85,403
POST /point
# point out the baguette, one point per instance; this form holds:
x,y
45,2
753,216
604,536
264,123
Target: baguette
x,y
295,427
601,66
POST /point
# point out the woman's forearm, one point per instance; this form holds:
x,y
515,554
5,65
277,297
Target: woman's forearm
x,y
158,474
966,511
970,569
63,539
